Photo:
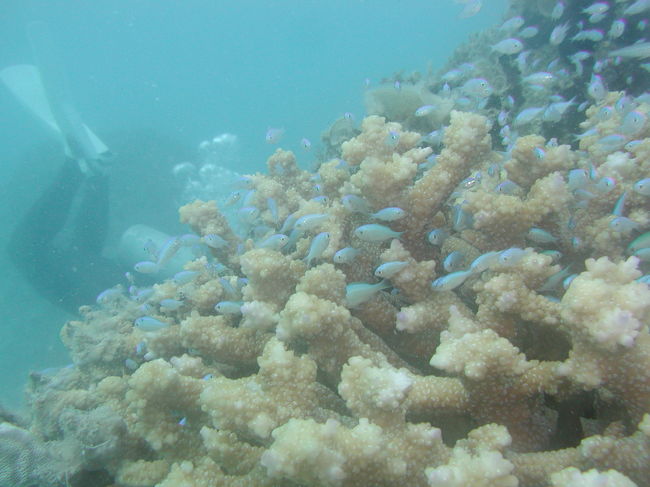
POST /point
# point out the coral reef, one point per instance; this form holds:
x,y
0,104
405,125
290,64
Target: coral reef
x,y
507,346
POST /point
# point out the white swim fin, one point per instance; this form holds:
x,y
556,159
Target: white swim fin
x,y
43,92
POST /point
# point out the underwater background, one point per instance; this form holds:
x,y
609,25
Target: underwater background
x,y
156,78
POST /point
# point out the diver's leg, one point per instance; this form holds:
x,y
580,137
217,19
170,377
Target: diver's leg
x,y
32,238
91,223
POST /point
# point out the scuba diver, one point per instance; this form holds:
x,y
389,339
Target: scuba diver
x,y
69,270
58,243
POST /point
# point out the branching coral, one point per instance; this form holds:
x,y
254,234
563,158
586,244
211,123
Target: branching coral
x,y
527,363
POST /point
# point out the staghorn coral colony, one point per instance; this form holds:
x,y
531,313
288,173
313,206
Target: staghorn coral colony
x,y
457,296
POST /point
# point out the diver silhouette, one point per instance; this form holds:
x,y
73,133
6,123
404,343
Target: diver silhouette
x,y
69,269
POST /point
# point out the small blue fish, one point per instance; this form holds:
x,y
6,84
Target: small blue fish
x,y
389,269
229,307
641,242
273,135
318,245
345,255
511,256
171,304
214,241
578,178
233,198
189,239
184,277
425,110
168,250
507,187
617,29
612,143
633,123
143,294
621,224
305,143
477,87
148,323
539,235
558,10
310,221
508,46
619,207
273,209
390,214
146,267
596,88
450,281
229,290
392,139
643,254
274,242
248,214
642,187
484,262
288,224
357,293
559,34
355,204
437,236
375,233
108,296
555,255
453,261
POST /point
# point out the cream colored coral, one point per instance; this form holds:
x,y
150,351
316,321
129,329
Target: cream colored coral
x,y
572,477
624,305
466,141
253,406
481,469
331,454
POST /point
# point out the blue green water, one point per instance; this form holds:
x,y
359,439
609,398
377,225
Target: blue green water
x,y
158,77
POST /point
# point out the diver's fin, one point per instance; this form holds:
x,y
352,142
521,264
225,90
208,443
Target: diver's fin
x,y
24,82
79,139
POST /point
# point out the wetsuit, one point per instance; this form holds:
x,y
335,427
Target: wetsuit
x,y
70,274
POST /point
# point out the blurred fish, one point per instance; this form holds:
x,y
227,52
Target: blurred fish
x,y
450,281
453,261
640,50
642,187
274,242
357,293
389,269
318,245
637,7
229,307
508,46
513,24
633,123
375,233
148,323
273,135
558,10
472,7
345,255
390,214
559,34
617,29
477,87
425,110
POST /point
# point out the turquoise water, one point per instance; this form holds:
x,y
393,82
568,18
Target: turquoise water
x,y
156,78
